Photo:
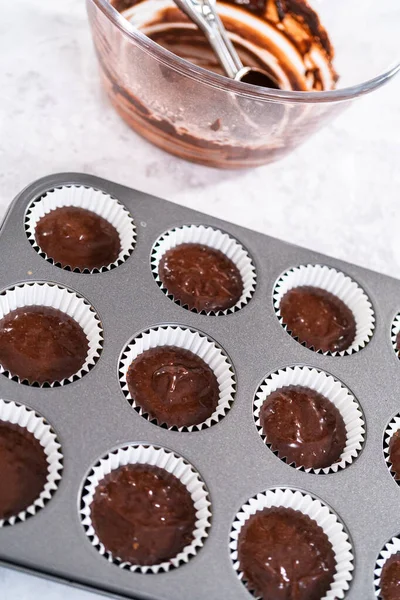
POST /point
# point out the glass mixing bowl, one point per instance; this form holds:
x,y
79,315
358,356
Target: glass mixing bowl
x,y
202,116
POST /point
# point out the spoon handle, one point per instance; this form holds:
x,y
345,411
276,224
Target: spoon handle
x,y
203,13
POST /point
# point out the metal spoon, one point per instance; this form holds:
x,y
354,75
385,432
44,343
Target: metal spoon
x,y
203,13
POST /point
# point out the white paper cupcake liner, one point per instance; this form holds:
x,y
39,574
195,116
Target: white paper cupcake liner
x,y
214,238
164,459
333,390
395,330
65,300
393,426
391,548
316,510
34,423
199,344
90,199
341,286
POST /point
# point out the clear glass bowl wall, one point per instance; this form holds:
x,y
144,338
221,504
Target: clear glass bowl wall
x,y
204,117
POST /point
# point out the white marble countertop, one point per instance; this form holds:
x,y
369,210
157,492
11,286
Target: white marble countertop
x,y
338,194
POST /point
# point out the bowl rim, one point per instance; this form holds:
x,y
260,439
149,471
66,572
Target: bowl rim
x,y
215,80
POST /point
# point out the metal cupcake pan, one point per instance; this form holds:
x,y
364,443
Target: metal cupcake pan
x,y
91,416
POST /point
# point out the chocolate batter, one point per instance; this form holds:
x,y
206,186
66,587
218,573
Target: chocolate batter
x,y
78,238
394,454
285,555
282,37
174,386
398,341
41,344
303,427
143,514
390,578
201,277
318,319
293,20
23,469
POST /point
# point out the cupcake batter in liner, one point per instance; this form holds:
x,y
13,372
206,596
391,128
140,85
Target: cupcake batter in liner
x,y
62,299
164,459
339,285
35,424
393,429
330,388
212,238
389,550
319,512
90,199
395,331
197,343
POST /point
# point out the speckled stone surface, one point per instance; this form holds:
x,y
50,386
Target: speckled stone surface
x,y
338,194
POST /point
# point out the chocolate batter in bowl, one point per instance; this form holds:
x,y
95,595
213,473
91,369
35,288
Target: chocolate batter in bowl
x,y
164,80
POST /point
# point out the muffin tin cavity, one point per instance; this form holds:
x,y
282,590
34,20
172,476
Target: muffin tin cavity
x,y
391,447
319,513
165,460
176,382
204,284
387,574
395,334
42,342
303,379
83,229
345,318
24,434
